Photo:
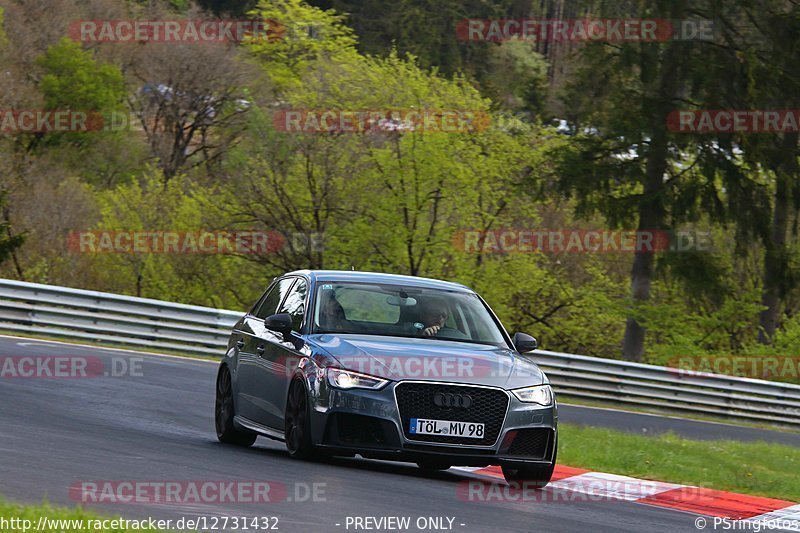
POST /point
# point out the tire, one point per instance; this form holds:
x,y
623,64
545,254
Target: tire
x,y
224,413
432,465
536,475
539,476
297,427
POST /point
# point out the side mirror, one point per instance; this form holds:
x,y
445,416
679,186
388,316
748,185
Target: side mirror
x,y
524,343
281,323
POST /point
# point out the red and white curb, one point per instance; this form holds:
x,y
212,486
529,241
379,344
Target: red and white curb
x,y
597,486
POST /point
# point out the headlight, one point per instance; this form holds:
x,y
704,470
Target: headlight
x,y
541,394
345,379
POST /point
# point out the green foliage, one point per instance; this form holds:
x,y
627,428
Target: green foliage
x,y
397,200
305,35
3,37
425,29
73,79
177,207
516,76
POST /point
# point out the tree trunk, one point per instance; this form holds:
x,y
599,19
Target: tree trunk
x,y
661,74
13,252
651,217
775,256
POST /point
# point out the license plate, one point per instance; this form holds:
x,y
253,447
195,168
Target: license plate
x,y
424,426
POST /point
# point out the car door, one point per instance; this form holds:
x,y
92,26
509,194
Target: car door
x,y
285,351
278,357
250,395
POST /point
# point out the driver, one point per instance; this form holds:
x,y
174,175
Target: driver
x,y
433,316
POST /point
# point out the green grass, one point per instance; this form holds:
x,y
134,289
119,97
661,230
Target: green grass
x,y
33,513
757,468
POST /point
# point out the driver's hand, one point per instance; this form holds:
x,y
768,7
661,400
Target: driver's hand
x,y
431,331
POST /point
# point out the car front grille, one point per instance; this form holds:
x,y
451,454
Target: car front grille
x,y
488,406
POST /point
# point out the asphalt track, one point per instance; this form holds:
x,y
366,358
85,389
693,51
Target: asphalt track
x,y
156,424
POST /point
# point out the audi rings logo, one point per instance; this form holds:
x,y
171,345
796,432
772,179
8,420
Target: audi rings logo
x,y
463,401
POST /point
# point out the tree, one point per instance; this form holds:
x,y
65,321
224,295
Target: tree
x,y
73,79
9,242
625,161
305,36
426,29
191,103
770,57
417,182
752,67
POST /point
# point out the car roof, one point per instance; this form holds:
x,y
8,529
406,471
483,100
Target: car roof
x,y
379,277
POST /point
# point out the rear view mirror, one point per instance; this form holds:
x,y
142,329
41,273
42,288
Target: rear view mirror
x,y
282,323
525,343
401,301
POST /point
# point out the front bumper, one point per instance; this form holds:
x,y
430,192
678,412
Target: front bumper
x,y
369,423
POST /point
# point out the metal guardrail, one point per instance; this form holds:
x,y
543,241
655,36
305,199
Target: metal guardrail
x,y
671,389
48,310
77,314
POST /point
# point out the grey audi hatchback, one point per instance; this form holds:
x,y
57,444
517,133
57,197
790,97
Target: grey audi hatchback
x,y
387,367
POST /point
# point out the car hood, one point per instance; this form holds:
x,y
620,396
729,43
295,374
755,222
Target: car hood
x,y
416,359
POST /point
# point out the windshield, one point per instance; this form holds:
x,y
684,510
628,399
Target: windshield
x,y
395,310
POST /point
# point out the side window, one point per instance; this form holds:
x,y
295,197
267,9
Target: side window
x,y
270,304
295,304
257,305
